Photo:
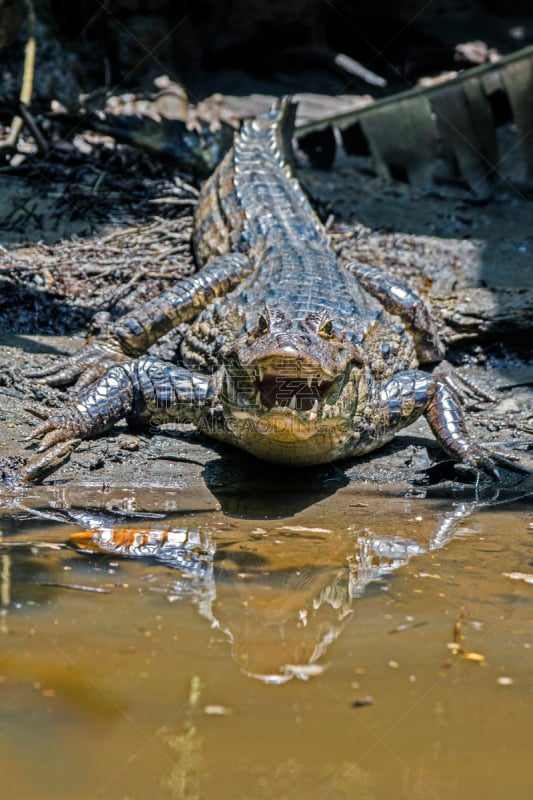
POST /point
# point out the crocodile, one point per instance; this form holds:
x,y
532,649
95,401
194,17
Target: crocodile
x,y
290,355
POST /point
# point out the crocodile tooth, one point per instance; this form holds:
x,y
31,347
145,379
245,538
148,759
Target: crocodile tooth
x,y
258,399
292,403
260,374
313,413
310,381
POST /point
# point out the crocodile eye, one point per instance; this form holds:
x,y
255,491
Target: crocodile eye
x,y
262,324
327,328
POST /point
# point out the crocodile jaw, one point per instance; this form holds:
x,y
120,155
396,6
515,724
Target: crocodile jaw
x,y
281,437
308,426
281,394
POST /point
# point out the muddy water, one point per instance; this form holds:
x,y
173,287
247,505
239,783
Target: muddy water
x,y
362,646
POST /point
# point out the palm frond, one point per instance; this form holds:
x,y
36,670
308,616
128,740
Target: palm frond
x,y
456,119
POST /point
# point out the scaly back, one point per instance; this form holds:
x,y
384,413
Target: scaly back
x,y
235,211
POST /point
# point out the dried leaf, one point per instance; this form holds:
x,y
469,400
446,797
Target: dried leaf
x,y
408,145
473,656
218,710
302,671
517,78
302,529
465,121
519,576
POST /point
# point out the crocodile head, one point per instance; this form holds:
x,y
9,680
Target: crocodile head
x,y
289,387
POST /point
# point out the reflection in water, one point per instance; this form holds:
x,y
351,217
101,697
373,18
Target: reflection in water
x,y
5,590
183,779
282,595
288,778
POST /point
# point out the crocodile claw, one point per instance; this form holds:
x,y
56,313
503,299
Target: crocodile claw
x,y
467,389
38,411
52,435
41,466
84,367
486,461
58,427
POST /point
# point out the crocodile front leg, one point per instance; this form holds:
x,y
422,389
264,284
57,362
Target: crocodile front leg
x,y
411,393
146,391
133,333
399,299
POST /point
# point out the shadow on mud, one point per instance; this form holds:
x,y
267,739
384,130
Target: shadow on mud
x,y
25,310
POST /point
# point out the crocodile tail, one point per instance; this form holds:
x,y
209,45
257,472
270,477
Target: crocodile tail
x,y
277,125
284,131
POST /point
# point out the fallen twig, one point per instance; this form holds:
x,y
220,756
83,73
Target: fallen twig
x,y
26,90
457,646
78,587
31,124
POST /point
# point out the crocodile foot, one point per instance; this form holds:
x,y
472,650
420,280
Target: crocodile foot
x,y
84,367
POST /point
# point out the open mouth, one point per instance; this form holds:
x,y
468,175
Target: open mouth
x,y
303,393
